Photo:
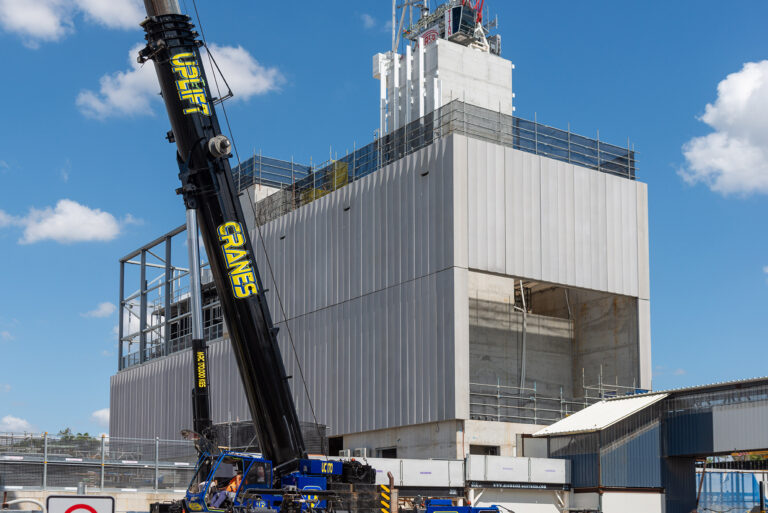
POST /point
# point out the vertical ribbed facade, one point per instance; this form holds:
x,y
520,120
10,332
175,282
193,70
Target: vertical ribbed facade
x,y
374,283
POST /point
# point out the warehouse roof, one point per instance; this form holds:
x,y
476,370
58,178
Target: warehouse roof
x,y
600,415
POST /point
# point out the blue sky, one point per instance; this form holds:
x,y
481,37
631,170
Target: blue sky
x,y
82,144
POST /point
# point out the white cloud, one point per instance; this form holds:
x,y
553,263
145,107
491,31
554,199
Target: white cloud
x,y
5,388
368,21
6,335
39,21
734,158
680,372
121,14
36,20
4,165
101,417
69,222
244,74
103,310
6,219
124,93
131,92
11,424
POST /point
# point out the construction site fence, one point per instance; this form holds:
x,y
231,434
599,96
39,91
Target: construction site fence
x,y
43,461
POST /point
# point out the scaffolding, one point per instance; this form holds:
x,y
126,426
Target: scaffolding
x,y
155,318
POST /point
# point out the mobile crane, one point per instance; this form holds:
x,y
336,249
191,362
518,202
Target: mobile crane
x,y
280,477
283,477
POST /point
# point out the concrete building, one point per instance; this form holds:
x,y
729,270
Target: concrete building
x,y
464,279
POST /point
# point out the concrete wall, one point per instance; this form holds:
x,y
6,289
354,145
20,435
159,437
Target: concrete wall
x,y
439,440
606,333
462,73
447,439
495,348
474,77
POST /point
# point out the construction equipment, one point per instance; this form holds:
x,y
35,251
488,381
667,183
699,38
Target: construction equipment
x,y
281,476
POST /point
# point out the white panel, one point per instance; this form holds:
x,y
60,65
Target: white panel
x,y
643,277
629,236
496,208
475,468
474,235
550,249
613,218
599,223
582,227
564,221
457,392
506,470
514,212
460,201
550,471
626,502
425,473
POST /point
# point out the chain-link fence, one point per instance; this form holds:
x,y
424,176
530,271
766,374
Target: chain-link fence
x,y
32,461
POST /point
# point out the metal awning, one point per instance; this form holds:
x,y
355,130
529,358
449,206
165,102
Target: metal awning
x,y
600,415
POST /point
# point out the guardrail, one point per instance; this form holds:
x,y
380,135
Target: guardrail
x,y
43,461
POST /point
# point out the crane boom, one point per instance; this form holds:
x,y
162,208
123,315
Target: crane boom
x,y
208,188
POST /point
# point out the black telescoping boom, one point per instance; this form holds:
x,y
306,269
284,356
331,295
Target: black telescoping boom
x,y
207,187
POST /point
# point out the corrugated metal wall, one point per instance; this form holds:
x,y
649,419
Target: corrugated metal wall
x,y
538,218
634,460
373,279
368,286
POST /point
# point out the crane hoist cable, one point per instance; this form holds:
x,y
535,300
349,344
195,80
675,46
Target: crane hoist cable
x,y
253,210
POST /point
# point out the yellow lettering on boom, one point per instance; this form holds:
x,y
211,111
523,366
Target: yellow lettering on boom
x,y
241,274
190,84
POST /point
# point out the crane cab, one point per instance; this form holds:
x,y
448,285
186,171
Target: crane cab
x,y
231,480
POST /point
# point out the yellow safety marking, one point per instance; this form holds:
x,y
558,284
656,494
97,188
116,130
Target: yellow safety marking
x,y
386,497
384,504
384,510
385,488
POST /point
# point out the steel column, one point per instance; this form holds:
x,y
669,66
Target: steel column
x,y
168,296
121,304
143,308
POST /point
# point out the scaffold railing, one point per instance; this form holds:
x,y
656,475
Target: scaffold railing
x,y
528,405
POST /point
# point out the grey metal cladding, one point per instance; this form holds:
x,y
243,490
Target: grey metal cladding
x,y
366,279
543,219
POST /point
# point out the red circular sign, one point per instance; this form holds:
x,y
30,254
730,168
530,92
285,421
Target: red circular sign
x,y
80,506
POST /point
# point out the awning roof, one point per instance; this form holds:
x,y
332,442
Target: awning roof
x,y
600,415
